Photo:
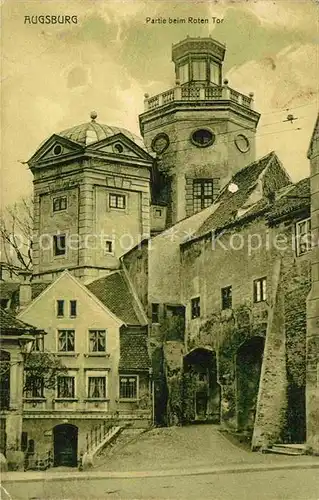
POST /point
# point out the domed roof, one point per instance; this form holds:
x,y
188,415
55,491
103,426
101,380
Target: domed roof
x,y
90,132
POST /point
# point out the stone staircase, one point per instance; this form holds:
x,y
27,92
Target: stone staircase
x,y
286,449
125,437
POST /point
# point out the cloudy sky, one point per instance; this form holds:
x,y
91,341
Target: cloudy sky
x,y
54,75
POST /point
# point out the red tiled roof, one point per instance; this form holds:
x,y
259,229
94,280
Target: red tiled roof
x,y
114,292
133,351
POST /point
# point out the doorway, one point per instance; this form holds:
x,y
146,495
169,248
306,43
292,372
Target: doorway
x,y
65,445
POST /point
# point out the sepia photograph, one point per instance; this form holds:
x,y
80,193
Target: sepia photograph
x,y
159,250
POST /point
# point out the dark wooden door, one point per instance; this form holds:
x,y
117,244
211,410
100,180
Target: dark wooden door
x,y
65,445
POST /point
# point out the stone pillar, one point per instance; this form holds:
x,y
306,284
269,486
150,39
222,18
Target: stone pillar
x,y
14,417
312,377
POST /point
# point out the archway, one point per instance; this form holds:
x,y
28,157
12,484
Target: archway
x,y
4,380
65,439
201,390
248,368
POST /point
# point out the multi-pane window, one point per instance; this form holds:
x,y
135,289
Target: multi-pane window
x,y
96,387
34,387
117,201
155,313
205,191
195,308
183,73
66,387
73,308
59,244
60,203
60,308
38,344
214,73
199,70
303,236
66,340
97,340
226,297
260,290
128,387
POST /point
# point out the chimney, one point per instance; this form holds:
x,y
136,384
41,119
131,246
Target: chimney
x,y
25,291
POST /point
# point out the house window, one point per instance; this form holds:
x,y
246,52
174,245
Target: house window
x,y
59,245
227,297
97,340
117,201
155,313
303,236
260,290
73,308
195,308
60,308
199,70
205,191
128,387
96,387
34,387
38,344
109,246
66,340
66,387
59,203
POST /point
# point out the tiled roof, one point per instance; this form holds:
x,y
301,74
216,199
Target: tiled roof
x,y
230,203
293,199
9,324
133,351
113,291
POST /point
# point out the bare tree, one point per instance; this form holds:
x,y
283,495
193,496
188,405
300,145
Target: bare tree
x,y
16,226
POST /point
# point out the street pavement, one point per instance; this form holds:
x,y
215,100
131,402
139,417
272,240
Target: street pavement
x,y
174,463
263,485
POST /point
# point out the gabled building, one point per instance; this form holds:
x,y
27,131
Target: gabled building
x,y
104,348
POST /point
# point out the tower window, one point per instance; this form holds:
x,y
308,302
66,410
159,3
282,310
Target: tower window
x,y
203,138
117,201
214,73
109,246
59,245
59,203
205,191
303,236
227,297
118,148
195,308
183,73
199,70
260,290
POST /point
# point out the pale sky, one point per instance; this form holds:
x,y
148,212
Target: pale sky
x,y
54,75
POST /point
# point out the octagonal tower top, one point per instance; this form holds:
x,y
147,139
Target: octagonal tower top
x,y
198,60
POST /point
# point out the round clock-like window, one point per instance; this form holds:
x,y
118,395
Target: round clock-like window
x,y
242,143
160,143
203,137
57,150
118,148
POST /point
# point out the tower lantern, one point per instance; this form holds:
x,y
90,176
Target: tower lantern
x,y
198,60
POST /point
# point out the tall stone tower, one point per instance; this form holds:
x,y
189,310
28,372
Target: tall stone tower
x,y
312,380
202,131
91,200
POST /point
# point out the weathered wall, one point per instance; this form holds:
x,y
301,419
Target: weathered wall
x,y
313,305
